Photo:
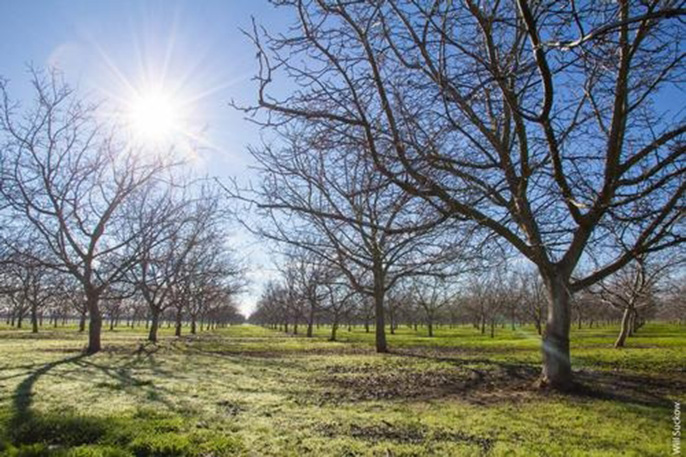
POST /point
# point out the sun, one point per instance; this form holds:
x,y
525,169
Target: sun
x,y
154,116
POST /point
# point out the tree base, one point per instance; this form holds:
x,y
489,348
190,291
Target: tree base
x,y
544,383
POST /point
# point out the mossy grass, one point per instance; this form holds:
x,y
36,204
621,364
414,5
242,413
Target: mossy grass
x,y
250,391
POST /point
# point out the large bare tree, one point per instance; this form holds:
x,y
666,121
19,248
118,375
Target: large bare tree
x,y
69,182
547,123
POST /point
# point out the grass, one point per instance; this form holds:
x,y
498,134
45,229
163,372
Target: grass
x,y
249,391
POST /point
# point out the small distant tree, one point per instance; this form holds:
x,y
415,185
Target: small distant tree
x,y
432,295
632,291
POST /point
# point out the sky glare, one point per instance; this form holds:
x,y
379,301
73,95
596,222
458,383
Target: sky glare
x,y
193,52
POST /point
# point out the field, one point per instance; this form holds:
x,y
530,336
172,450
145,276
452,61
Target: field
x,y
251,391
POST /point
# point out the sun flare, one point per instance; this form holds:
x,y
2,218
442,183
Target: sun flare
x,y
154,116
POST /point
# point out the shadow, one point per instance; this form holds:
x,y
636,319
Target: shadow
x,y
23,394
644,390
499,380
22,398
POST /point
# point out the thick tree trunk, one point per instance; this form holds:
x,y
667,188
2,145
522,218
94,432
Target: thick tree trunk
x,y
310,322
624,328
82,322
334,328
177,329
557,367
379,294
34,319
154,325
95,325
193,325
430,326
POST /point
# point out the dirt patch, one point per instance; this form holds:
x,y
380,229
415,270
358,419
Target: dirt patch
x,y
373,382
230,408
410,434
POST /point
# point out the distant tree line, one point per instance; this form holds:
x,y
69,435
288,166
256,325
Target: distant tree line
x,y
305,297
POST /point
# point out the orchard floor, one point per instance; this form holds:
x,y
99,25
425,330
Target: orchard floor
x,y
250,391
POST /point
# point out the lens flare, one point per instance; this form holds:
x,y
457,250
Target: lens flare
x,y
154,116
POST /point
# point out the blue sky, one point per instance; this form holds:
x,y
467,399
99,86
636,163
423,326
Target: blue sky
x,y
195,48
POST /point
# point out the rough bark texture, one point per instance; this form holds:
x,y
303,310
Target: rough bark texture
x,y
381,345
154,325
95,326
557,368
624,329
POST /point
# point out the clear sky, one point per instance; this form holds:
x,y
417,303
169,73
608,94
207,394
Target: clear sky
x,y
115,48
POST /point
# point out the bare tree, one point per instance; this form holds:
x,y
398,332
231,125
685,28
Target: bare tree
x,y
632,291
185,220
67,177
318,197
31,287
432,295
540,121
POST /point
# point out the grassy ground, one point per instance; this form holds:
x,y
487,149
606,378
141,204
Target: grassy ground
x,y
256,392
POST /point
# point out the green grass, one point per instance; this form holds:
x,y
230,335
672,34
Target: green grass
x,y
249,391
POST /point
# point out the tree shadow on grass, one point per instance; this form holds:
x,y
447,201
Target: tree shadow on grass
x,y
497,380
26,425
23,394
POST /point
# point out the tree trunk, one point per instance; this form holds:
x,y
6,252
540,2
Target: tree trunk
x,y
82,322
95,326
379,293
391,318
557,367
154,325
34,318
334,328
624,328
177,329
430,326
632,322
193,329
310,322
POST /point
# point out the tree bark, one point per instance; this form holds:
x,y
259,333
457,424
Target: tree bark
x,y
624,328
379,294
154,325
557,367
310,322
334,328
82,322
177,329
34,319
95,326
